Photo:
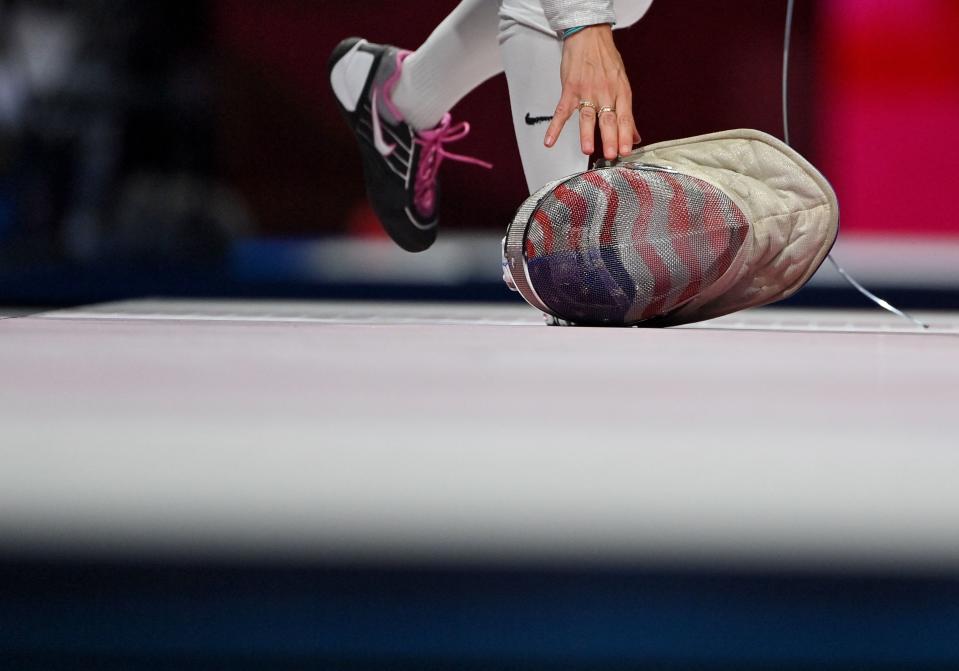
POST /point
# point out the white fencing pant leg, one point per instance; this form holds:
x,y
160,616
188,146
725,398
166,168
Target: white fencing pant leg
x,y
531,55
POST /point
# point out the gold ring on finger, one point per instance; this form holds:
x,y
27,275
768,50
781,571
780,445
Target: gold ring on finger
x,y
586,103
607,108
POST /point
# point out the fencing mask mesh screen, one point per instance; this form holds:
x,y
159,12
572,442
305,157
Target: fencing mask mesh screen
x,y
623,244
678,232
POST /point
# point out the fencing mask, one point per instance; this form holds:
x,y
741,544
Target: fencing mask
x,y
676,232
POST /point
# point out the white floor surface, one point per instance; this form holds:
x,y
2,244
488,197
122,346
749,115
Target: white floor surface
x,y
476,433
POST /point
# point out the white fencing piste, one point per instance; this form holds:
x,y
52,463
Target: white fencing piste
x,y
475,433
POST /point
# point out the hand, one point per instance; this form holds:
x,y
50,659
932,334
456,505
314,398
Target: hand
x,y
593,70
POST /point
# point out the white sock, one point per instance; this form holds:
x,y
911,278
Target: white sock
x,y
460,54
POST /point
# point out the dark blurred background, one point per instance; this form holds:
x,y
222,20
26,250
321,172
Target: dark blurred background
x,y
194,149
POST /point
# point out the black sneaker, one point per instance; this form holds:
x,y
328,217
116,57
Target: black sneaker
x,y
400,164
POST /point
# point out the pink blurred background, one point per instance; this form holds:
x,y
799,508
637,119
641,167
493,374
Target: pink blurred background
x,y
889,113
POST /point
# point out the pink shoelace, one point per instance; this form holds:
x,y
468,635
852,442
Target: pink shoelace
x,y
434,152
432,141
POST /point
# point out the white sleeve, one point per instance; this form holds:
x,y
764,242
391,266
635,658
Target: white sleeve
x,y
563,14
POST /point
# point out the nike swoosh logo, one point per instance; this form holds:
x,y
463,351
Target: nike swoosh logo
x,y
382,146
533,120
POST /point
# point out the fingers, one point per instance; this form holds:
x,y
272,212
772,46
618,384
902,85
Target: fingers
x,y
587,129
628,135
626,125
568,104
564,110
617,129
609,133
